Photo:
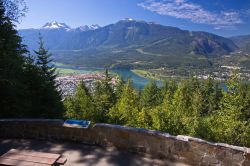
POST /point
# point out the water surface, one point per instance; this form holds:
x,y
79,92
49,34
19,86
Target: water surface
x,y
138,81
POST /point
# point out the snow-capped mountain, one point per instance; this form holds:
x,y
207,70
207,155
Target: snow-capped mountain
x,y
55,25
89,27
128,19
129,33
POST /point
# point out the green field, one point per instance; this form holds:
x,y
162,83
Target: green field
x,y
147,74
64,72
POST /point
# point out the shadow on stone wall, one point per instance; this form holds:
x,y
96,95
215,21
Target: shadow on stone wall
x,y
178,148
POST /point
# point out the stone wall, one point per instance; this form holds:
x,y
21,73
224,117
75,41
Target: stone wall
x,y
180,148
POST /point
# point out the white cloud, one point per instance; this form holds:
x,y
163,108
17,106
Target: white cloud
x,y
193,12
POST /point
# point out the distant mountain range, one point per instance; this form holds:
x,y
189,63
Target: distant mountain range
x,y
62,26
243,42
131,43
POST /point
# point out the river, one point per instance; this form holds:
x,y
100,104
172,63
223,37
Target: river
x,y
138,81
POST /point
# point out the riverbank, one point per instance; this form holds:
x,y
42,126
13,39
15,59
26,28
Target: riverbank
x,y
147,74
138,81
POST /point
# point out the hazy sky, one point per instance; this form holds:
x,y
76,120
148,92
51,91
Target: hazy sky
x,y
223,17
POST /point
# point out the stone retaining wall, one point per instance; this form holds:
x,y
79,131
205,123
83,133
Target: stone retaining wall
x,y
190,150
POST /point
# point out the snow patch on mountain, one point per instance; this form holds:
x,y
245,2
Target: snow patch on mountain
x,y
134,21
89,27
128,19
56,25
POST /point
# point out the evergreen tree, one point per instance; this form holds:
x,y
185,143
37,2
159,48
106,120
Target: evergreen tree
x,y
183,105
244,90
33,89
50,97
212,95
44,62
118,88
150,96
126,109
23,89
14,9
163,116
227,123
11,68
104,97
169,86
81,106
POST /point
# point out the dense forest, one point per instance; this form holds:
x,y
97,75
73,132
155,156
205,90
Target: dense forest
x,y
200,108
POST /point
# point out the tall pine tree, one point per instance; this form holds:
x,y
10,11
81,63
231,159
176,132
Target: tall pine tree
x,y
50,99
104,97
125,111
44,62
80,105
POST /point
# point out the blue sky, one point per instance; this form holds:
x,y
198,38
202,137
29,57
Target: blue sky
x,y
222,17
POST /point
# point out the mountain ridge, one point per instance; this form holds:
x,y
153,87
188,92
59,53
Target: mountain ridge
x,y
54,25
122,40
243,42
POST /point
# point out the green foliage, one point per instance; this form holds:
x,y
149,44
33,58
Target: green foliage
x,y
43,61
11,64
212,93
150,96
25,90
228,123
119,88
186,101
161,115
15,9
50,97
81,106
104,97
125,111
199,108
